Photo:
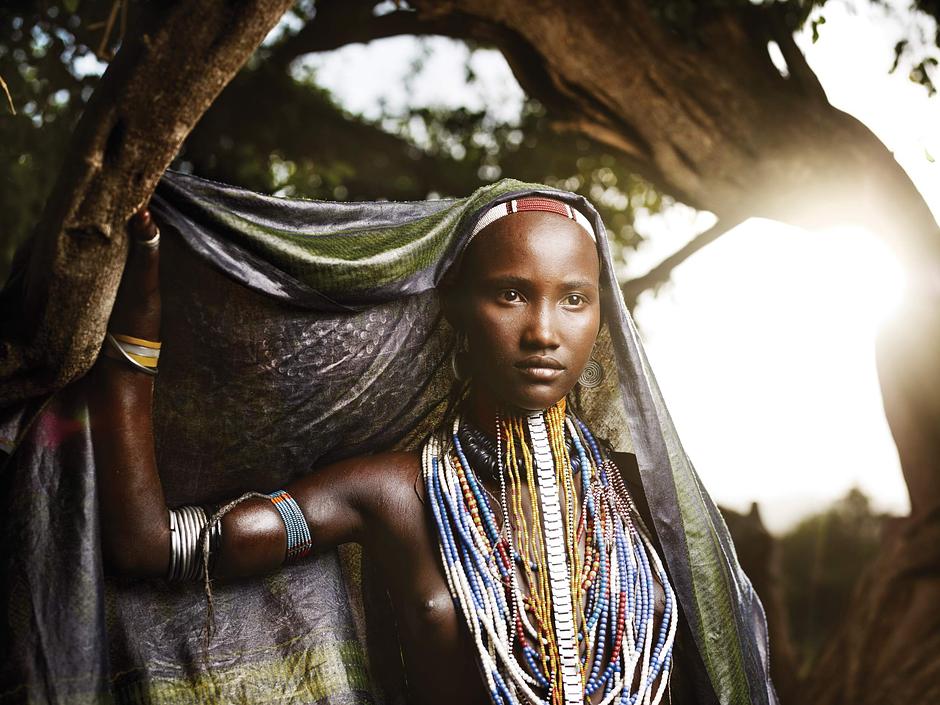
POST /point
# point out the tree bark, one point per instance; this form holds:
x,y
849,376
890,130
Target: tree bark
x,y
886,648
707,118
159,84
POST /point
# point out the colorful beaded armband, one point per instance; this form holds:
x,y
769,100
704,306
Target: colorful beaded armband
x,y
298,533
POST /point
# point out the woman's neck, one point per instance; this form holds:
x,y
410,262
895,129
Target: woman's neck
x,y
481,410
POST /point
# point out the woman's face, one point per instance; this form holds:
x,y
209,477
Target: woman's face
x,y
530,307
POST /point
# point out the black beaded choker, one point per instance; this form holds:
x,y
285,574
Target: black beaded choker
x,y
480,450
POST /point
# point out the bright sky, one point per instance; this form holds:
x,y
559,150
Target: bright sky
x,y
764,355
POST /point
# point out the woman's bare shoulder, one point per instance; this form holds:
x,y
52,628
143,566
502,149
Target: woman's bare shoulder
x,y
388,476
391,496
392,462
374,467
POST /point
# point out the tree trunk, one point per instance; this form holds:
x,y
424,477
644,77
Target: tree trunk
x,y
162,80
886,649
706,117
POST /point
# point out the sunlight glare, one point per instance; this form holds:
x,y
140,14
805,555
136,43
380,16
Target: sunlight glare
x,y
764,348
872,277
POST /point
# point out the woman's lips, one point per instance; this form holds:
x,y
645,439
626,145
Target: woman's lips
x,y
540,369
540,374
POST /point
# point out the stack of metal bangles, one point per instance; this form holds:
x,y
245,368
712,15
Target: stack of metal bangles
x,y
188,523
186,530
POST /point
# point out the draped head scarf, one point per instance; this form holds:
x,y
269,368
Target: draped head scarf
x,y
296,333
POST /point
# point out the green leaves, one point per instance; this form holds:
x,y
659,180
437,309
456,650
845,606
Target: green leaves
x,y
815,25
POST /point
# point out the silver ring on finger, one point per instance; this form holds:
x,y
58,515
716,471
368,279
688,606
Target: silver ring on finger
x,y
152,242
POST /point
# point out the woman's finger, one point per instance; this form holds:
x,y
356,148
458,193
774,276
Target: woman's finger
x,y
141,226
142,271
137,307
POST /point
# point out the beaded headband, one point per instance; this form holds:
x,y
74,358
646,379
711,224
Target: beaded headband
x,y
533,203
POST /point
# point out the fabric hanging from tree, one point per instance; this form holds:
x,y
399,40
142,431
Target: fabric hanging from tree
x,y
296,333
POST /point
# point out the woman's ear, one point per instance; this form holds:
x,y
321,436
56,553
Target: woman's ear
x,y
450,307
450,298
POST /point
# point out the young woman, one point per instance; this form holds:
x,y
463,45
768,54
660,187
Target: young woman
x,y
524,559
526,299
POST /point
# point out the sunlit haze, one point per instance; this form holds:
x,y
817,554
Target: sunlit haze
x,y
763,343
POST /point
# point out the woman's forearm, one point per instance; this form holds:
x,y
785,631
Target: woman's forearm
x,y
135,531
135,523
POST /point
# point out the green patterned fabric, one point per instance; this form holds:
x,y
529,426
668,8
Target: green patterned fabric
x,y
296,333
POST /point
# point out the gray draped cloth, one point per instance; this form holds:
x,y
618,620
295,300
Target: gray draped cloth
x,y
296,333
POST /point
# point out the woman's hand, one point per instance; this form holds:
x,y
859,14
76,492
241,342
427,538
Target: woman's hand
x,y
136,309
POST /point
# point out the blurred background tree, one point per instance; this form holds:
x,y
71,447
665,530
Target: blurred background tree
x,y
822,559
275,131
727,117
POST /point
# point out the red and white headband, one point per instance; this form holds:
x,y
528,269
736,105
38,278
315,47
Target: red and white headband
x,y
533,203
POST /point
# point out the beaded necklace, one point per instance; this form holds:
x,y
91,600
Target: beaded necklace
x,y
586,624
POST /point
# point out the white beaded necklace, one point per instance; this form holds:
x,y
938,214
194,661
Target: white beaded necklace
x,y
616,631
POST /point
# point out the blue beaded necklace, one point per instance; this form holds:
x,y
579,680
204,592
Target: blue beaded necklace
x,y
585,624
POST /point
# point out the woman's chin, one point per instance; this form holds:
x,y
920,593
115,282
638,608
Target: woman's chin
x,y
532,401
520,399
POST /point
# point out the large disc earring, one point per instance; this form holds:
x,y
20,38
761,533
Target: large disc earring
x,y
592,375
458,358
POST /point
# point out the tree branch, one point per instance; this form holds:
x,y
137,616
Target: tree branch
x,y
341,22
164,77
338,23
661,272
799,69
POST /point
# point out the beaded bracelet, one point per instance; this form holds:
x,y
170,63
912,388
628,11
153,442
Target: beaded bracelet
x,y
299,541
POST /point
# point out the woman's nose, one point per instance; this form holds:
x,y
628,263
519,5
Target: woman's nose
x,y
542,329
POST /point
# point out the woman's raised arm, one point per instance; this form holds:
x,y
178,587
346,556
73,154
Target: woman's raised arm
x,y
135,525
